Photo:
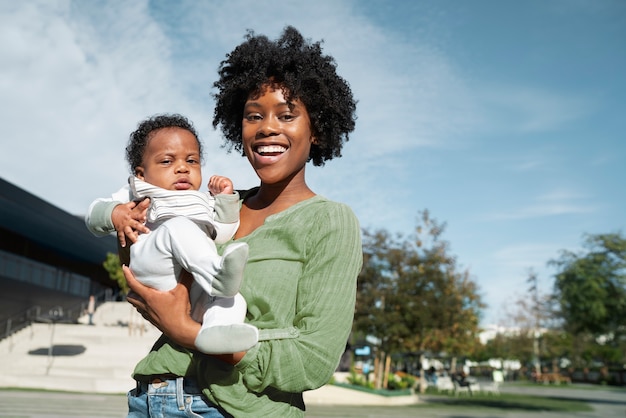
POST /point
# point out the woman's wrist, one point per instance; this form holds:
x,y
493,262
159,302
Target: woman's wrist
x,y
232,359
184,333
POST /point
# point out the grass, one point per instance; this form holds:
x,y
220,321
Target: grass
x,y
584,386
506,401
381,392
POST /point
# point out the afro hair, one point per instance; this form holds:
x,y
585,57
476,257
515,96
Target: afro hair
x,y
303,72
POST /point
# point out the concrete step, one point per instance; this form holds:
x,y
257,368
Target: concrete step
x,y
84,358
101,358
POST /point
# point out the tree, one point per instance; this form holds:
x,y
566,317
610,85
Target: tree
x,y
113,266
532,313
590,288
412,296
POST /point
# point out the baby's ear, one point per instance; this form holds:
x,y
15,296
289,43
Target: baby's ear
x,y
139,172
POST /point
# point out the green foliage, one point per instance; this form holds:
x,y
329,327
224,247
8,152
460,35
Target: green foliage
x,y
395,382
584,320
358,379
412,296
114,268
590,288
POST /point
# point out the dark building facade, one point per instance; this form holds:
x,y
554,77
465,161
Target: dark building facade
x,y
48,258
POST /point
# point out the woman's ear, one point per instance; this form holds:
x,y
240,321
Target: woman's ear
x,y
139,172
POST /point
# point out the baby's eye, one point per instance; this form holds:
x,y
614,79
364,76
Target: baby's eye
x,y
192,161
166,161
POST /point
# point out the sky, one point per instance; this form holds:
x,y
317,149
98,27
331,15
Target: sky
x,y
504,119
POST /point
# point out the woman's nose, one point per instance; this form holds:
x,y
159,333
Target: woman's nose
x,y
269,126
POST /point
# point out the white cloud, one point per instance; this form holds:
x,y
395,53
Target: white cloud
x,y
530,109
74,86
504,274
558,202
77,76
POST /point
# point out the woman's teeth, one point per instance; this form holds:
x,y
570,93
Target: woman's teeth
x,y
271,149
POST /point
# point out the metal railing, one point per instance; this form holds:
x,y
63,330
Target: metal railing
x,y
68,313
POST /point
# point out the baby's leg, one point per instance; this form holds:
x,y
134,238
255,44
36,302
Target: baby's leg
x,y
196,252
223,328
151,266
230,274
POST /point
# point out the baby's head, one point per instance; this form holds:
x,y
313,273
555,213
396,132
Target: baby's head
x,y
165,151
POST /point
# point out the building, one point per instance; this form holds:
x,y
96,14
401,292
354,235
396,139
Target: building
x,y
49,262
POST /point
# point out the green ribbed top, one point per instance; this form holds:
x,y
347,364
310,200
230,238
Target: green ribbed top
x,y
300,286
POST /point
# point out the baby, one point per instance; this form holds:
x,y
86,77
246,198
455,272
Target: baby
x,y
165,155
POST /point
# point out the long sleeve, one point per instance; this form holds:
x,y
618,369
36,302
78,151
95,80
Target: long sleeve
x,y
226,217
324,309
300,286
98,217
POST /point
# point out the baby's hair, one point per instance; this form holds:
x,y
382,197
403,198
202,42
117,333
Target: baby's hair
x,y
298,67
147,128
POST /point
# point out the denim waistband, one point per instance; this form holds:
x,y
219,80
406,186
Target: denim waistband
x,y
169,386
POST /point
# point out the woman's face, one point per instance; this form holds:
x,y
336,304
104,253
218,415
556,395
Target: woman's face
x,y
277,137
171,160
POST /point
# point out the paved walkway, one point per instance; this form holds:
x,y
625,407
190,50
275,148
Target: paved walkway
x,y
97,361
33,404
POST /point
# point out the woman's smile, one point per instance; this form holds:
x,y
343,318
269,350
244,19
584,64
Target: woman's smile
x,y
277,135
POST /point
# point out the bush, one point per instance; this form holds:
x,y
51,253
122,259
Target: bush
x,y
396,382
359,380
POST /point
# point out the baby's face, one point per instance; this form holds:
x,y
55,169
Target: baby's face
x,y
171,160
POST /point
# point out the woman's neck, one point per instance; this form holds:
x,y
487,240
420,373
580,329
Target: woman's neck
x,y
269,200
278,197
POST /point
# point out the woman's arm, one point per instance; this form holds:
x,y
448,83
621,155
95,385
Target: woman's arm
x,y
169,311
324,309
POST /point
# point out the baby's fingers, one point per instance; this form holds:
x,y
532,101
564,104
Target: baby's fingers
x,y
121,238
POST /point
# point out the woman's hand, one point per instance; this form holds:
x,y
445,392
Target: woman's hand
x,y
168,311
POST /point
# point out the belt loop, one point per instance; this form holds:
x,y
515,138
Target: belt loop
x,y
179,394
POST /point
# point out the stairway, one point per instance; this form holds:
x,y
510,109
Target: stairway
x,y
84,358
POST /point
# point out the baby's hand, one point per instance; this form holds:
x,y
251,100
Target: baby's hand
x,y
129,220
220,185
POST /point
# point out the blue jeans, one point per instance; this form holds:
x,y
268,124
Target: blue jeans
x,y
179,397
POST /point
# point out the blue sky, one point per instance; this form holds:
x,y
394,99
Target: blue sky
x,y
505,119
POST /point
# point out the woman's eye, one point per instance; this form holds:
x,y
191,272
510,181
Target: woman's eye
x,y
287,116
253,117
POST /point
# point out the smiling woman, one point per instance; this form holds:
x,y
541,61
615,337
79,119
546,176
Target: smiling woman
x,y
273,129
282,104
314,83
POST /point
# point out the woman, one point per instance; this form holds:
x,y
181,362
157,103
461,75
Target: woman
x,y
282,104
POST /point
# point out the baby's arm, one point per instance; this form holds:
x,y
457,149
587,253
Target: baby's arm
x,y
117,213
226,219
